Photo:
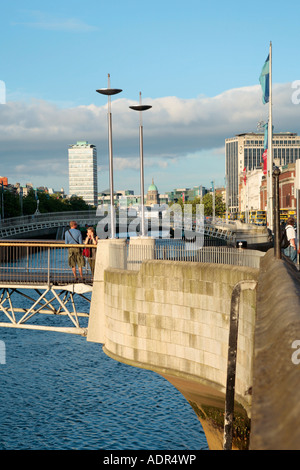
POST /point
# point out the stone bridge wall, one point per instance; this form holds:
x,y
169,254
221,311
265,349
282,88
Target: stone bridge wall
x,y
276,384
173,318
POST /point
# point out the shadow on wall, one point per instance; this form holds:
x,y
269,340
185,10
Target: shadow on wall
x,y
276,379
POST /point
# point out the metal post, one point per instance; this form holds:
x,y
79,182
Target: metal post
x,y
142,180
270,203
213,202
232,356
48,268
298,225
109,92
141,108
277,237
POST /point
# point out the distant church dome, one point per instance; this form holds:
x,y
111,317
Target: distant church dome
x,y
152,186
152,195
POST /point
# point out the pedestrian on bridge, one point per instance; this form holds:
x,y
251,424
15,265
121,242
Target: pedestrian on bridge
x,y
91,239
73,236
291,250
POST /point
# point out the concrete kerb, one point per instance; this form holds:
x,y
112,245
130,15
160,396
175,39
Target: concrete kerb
x,y
110,253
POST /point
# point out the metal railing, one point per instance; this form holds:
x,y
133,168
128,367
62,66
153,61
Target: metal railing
x,y
21,225
39,263
32,263
49,216
180,251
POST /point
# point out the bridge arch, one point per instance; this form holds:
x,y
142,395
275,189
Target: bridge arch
x,y
36,224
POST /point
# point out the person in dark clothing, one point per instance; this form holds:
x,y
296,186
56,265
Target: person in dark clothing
x,y
73,236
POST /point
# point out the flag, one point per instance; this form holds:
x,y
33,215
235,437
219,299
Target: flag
x,y
245,175
266,136
265,159
265,152
264,80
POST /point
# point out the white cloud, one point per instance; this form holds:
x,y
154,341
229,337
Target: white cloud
x,y
37,134
41,20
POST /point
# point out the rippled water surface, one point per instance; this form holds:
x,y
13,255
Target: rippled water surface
x,y
60,392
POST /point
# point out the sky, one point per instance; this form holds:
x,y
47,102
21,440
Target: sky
x,y
196,63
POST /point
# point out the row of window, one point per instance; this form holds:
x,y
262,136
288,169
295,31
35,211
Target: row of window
x,y
253,157
274,142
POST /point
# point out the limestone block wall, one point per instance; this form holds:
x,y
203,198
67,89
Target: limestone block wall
x,y
276,384
173,318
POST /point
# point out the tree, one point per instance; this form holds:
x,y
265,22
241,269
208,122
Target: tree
x,y
78,204
51,203
11,204
220,206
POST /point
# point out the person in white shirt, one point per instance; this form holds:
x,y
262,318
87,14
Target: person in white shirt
x,y
291,250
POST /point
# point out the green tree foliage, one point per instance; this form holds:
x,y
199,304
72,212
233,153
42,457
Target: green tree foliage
x,y
47,203
207,201
10,203
220,206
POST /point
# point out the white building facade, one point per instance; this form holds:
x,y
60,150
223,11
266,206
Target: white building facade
x,y
250,191
83,178
244,152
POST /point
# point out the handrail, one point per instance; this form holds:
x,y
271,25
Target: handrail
x,y
37,262
46,216
232,358
58,244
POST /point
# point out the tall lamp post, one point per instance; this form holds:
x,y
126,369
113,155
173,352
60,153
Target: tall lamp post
x,y
276,214
141,107
109,92
214,203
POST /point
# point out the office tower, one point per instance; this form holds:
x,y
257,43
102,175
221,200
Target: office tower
x,y
244,151
83,172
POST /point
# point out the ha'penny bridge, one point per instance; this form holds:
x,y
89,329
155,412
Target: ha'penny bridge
x,y
212,320
36,280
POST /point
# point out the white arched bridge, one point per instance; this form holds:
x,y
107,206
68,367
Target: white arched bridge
x,y
27,226
32,226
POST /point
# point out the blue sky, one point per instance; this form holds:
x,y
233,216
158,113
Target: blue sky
x,y
197,63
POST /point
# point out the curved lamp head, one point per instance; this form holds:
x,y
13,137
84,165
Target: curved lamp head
x,y
140,107
109,91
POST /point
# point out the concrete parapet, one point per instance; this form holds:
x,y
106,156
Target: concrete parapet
x,y
139,250
173,318
110,253
276,384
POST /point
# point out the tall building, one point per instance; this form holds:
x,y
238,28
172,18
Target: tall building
x,y
244,151
83,172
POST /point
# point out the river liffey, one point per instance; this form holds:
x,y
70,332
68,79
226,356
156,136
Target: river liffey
x,y
60,392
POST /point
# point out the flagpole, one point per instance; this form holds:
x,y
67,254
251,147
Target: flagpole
x,y
270,152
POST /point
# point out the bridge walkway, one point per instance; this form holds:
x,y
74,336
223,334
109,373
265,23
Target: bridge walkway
x,y
36,280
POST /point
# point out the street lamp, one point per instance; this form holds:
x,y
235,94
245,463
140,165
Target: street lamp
x,y
214,209
37,212
109,92
141,107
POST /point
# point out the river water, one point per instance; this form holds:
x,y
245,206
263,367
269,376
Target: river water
x,y
60,392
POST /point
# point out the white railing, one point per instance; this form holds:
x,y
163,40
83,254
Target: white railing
x,y
38,263
47,263
180,251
